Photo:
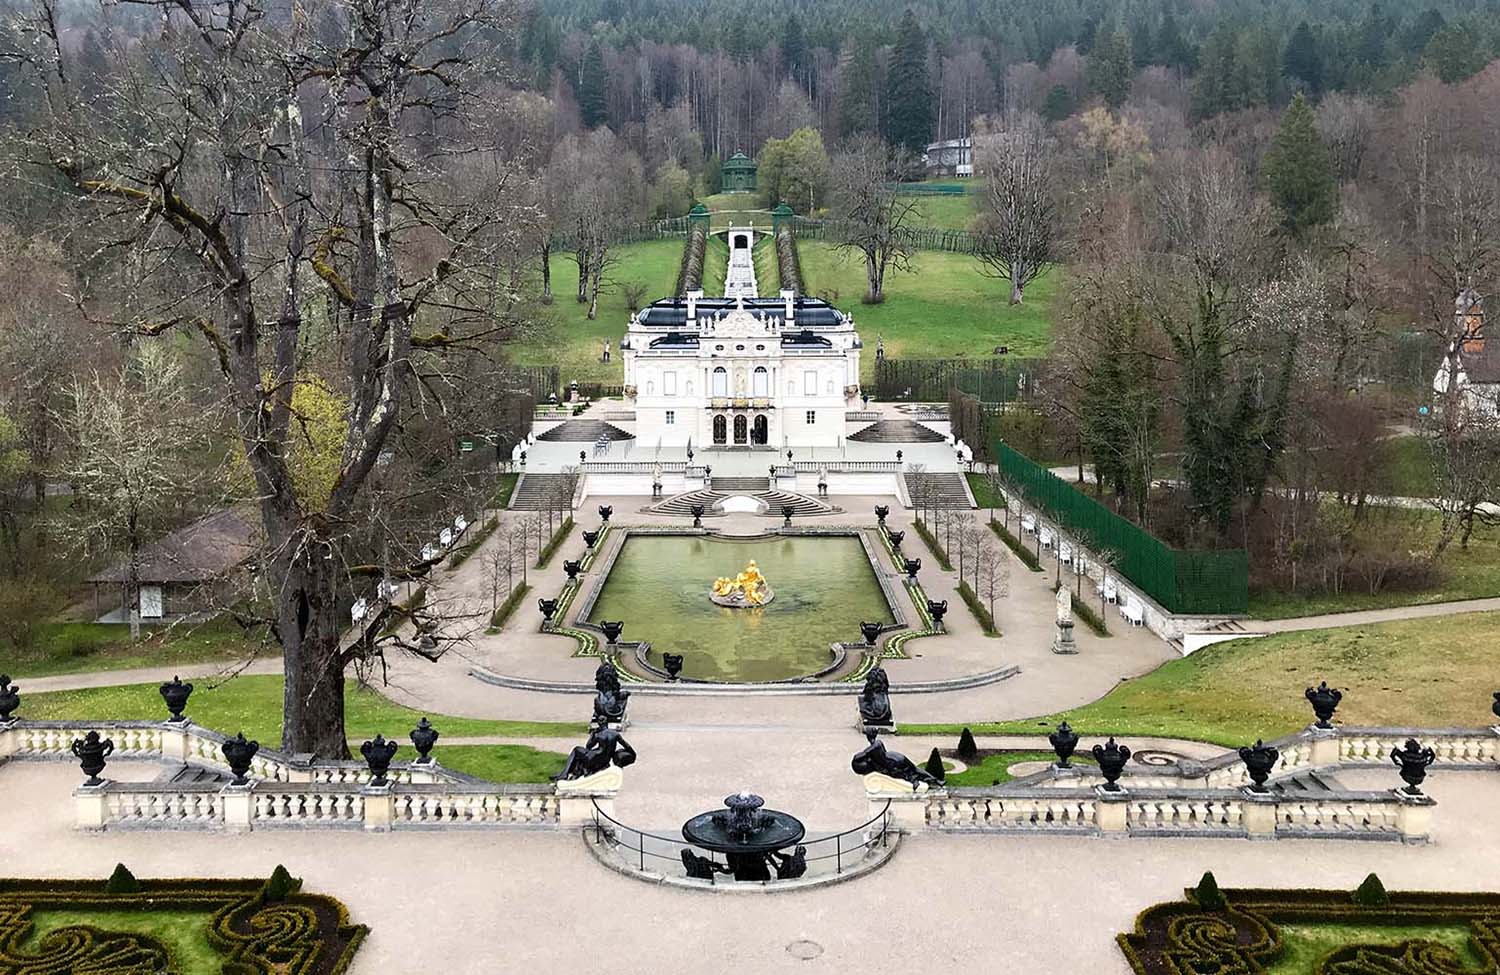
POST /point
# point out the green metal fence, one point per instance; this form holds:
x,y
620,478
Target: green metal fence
x,y
1181,580
1007,379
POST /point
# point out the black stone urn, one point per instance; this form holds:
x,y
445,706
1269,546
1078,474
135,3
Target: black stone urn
x,y
572,567
91,752
881,510
871,632
1259,760
1412,758
899,455
1324,700
612,630
589,538
786,514
239,753
895,538
788,456
937,609
378,754
697,511
604,512
423,737
1064,741
773,472
913,566
583,457
175,693
673,664
1111,758
548,608
10,697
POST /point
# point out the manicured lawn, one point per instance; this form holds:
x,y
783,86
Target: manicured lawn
x,y
183,933
501,763
252,704
564,336
1405,464
949,211
1472,573
942,308
71,648
738,210
505,485
1414,673
995,769
984,495
715,265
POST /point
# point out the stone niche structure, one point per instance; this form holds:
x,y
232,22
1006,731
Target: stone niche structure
x,y
738,174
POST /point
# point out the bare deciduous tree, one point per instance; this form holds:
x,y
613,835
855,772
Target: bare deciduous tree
x,y
872,217
1018,215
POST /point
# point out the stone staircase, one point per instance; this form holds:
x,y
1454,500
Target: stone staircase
x,y
534,492
897,431
1309,783
945,490
741,485
583,431
682,504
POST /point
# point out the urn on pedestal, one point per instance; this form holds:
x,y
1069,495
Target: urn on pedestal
x,y
548,608
10,698
1259,760
239,753
1111,758
697,511
895,538
378,754
572,567
1324,700
786,514
604,512
423,737
612,630
589,538
937,610
1064,740
870,631
913,566
881,510
175,693
1413,760
91,751
672,662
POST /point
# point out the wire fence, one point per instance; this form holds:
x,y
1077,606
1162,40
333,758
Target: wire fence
x,y
918,238
999,380
826,855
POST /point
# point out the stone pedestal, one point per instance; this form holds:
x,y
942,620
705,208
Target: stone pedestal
x,y
576,798
7,738
1324,744
1258,813
1111,811
174,741
908,800
89,807
879,729
1063,641
380,807
1414,818
238,802
300,768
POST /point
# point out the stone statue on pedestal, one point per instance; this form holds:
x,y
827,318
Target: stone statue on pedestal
x,y
605,747
610,698
876,758
1063,641
875,699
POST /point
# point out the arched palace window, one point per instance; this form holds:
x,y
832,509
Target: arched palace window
x,y
721,382
761,382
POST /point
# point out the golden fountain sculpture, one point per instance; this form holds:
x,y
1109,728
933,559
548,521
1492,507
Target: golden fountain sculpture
x,y
747,589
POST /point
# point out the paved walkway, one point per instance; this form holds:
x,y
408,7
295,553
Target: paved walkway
x,y
1364,616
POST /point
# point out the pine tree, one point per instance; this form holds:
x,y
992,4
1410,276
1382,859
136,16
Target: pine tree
x,y
794,52
856,110
1111,68
908,92
1299,171
1172,49
1303,60
1058,105
592,108
1453,54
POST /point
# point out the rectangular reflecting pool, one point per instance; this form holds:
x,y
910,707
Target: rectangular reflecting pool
x,y
824,586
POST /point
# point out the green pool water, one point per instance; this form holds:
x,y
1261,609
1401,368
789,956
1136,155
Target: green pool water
x,y
659,586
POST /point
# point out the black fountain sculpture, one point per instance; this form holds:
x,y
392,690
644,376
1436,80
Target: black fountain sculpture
x,y
697,511
937,610
610,699
875,700
423,737
1259,760
875,757
175,693
895,538
91,751
786,514
1111,758
750,838
1324,700
881,510
871,632
572,567
589,538
1413,759
378,754
612,630
913,566
604,512
548,608
10,698
605,747
239,753
1064,741
672,662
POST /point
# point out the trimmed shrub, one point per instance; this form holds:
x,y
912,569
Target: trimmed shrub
x,y
1207,894
279,886
788,261
933,545
935,766
967,750
1371,893
555,543
1027,556
690,272
1089,615
981,613
122,881
505,609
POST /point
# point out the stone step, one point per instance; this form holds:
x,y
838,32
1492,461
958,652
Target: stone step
x,y
945,490
535,492
897,431
583,431
741,485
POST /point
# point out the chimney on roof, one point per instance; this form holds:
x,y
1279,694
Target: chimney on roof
x,y
692,302
789,298
1468,319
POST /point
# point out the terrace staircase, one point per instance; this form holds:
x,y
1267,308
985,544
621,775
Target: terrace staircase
x,y
940,490
897,432
741,485
682,504
535,492
583,431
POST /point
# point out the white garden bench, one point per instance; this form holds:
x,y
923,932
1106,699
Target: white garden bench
x,y
1065,553
1046,537
1028,524
1109,589
1134,612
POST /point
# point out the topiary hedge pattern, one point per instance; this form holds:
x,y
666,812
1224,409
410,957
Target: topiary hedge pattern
x,y
1241,936
260,927
690,271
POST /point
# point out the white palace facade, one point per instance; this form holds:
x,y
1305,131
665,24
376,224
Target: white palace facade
x,y
741,372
